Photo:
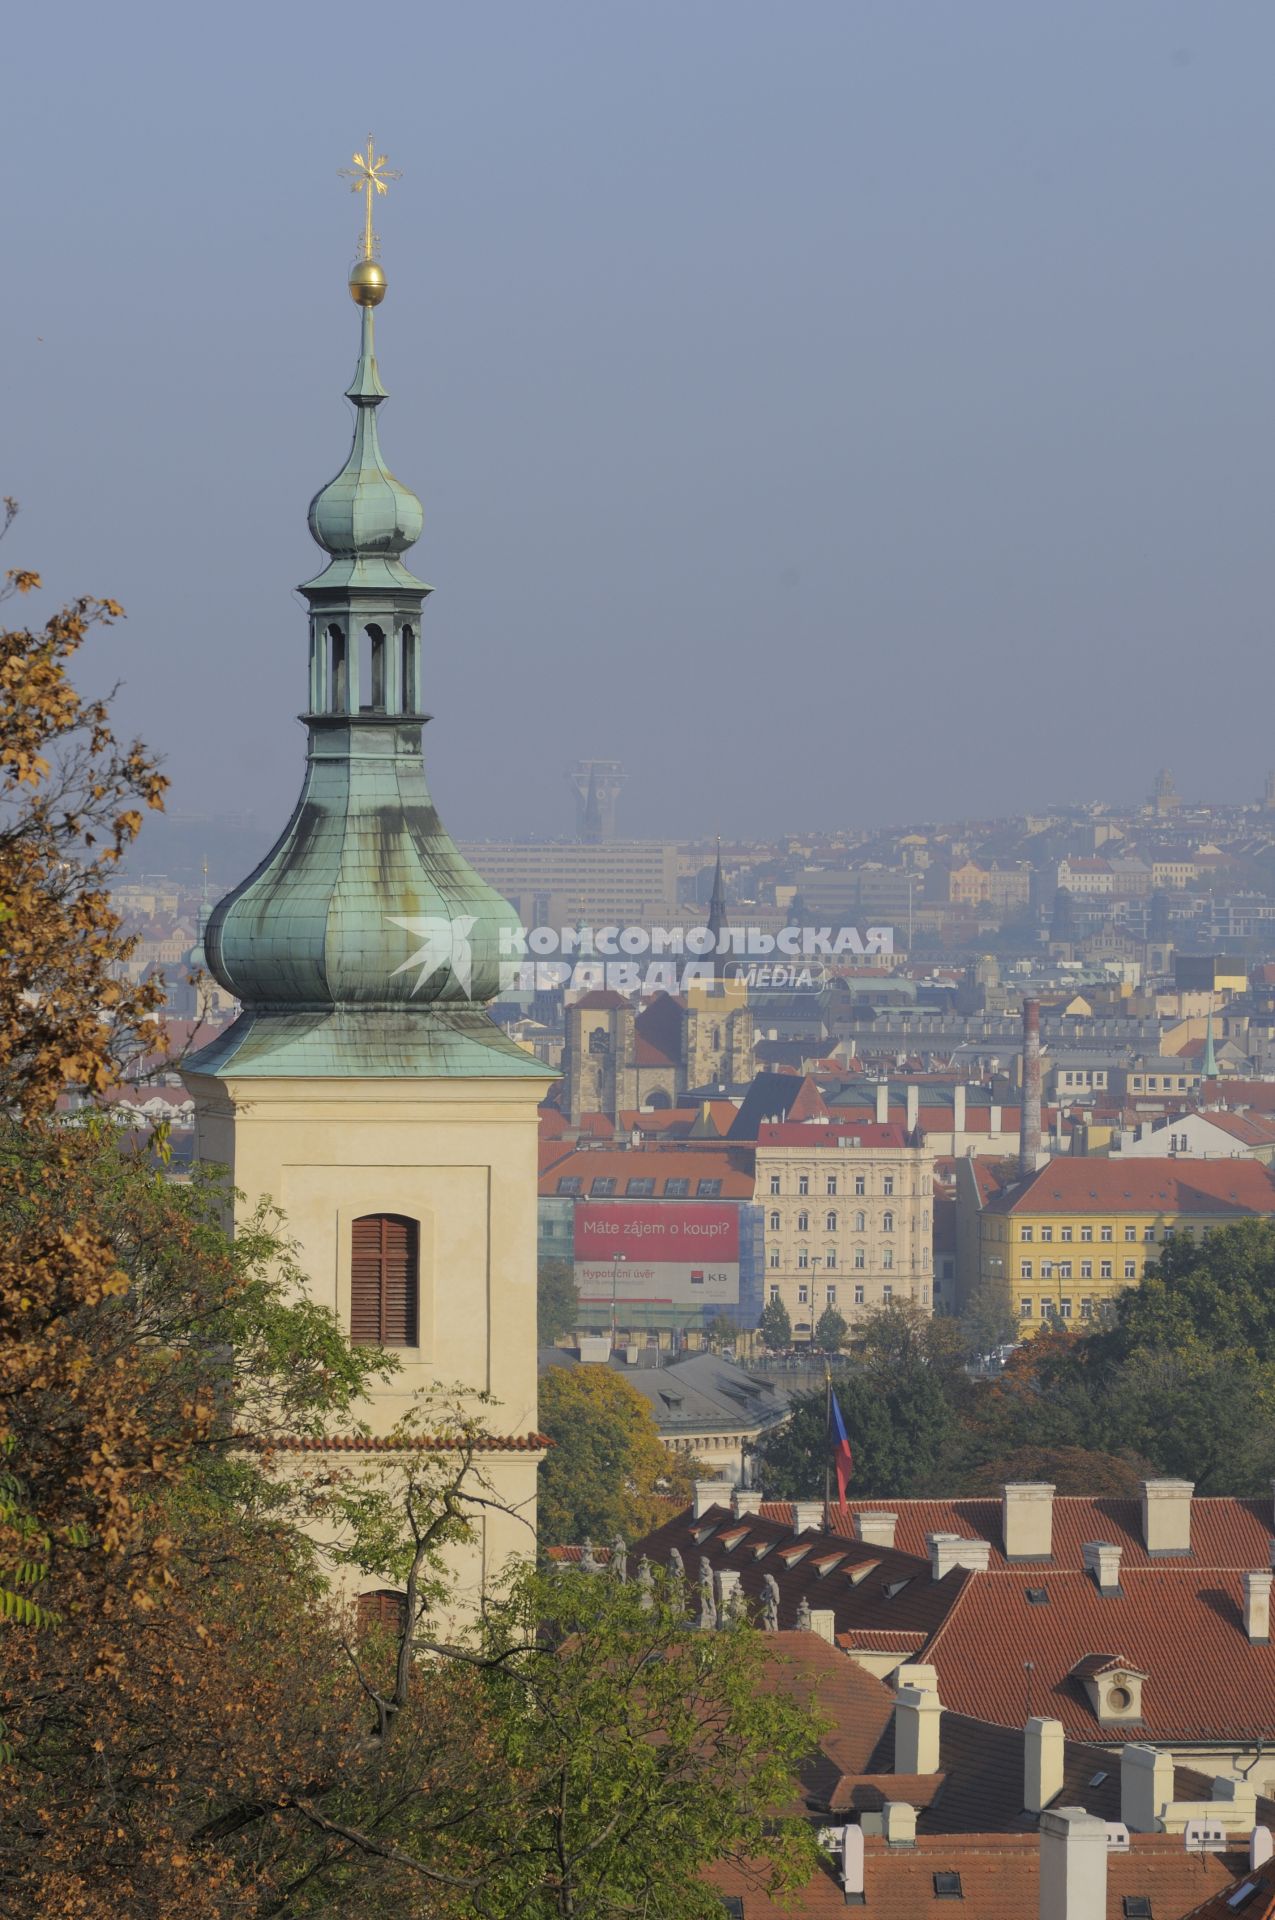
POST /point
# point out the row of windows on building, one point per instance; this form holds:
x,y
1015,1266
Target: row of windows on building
x,y
1061,1270
829,1258
858,1185
860,1295
604,1186
831,1221
1051,1309
1067,1234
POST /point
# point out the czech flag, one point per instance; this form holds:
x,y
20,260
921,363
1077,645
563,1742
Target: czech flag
x,y
839,1442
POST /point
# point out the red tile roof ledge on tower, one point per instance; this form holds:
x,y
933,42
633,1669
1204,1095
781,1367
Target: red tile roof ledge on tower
x,y
412,1443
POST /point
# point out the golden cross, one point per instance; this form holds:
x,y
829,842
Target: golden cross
x,y
369,175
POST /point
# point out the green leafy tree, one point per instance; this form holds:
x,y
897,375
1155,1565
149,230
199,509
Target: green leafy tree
x,y
557,1301
721,1332
831,1331
775,1326
607,1470
989,1320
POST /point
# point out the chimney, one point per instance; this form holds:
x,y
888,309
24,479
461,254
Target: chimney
x,y
1073,1865
1257,1607
745,1500
1102,1560
948,1550
958,1110
1146,1787
883,1102
875,1529
710,1493
917,1717
917,1673
1042,1763
807,1514
852,1865
993,1119
898,1823
1029,1119
1027,1519
1166,1515
914,1108
823,1621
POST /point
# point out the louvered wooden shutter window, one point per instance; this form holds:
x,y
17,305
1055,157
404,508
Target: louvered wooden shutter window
x,y
384,1281
381,1609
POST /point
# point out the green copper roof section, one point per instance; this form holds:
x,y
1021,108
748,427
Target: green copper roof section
x,y
365,518
364,878
432,1043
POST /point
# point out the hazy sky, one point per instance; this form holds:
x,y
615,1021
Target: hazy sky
x,y
838,412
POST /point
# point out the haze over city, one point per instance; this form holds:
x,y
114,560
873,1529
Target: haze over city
x,y
838,414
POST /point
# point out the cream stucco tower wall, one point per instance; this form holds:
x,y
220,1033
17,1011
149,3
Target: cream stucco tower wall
x,y
364,1076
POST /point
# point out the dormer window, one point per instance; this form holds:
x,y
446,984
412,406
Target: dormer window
x,y
1113,1687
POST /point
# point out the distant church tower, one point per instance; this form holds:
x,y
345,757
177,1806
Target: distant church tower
x,y
364,1087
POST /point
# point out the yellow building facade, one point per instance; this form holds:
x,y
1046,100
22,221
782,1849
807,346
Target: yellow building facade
x,y
1067,1241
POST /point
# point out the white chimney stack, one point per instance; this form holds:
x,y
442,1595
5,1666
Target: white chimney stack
x,y
876,1529
898,1823
914,1108
949,1550
1102,1560
1073,1865
1257,1607
807,1514
745,1500
1027,1519
883,1102
823,1621
1146,1787
711,1493
1166,1515
958,1111
918,1715
1042,1763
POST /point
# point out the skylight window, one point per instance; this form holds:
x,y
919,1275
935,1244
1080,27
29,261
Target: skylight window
x,y
1037,1596
895,1587
1137,1906
947,1886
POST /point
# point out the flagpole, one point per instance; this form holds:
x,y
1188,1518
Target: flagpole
x,y
827,1445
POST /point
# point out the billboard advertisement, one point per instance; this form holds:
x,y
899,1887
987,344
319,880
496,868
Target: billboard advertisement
x,y
674,1253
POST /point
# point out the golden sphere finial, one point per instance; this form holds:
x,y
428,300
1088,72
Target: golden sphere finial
x,y
367,284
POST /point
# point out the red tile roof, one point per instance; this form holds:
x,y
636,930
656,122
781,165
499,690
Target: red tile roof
x,y
1085,1185
1226,1534
1000,1879
840,1133
733,1166
1206,1680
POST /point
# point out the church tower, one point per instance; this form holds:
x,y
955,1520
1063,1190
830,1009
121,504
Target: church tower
x,y
364,1087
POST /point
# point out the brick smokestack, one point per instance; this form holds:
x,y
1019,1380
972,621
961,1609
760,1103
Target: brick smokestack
x,y
1029,1121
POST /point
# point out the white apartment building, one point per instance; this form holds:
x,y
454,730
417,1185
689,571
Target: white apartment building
x,y
848,1219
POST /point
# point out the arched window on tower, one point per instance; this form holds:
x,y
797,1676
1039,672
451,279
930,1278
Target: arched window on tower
x,y
382,1608
407,670
371,670
385,1281
337,683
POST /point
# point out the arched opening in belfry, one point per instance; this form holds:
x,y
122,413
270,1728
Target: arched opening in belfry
x,y
407,669
337,682
371,670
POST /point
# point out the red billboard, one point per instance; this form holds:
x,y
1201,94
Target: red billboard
x,y
671,1252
